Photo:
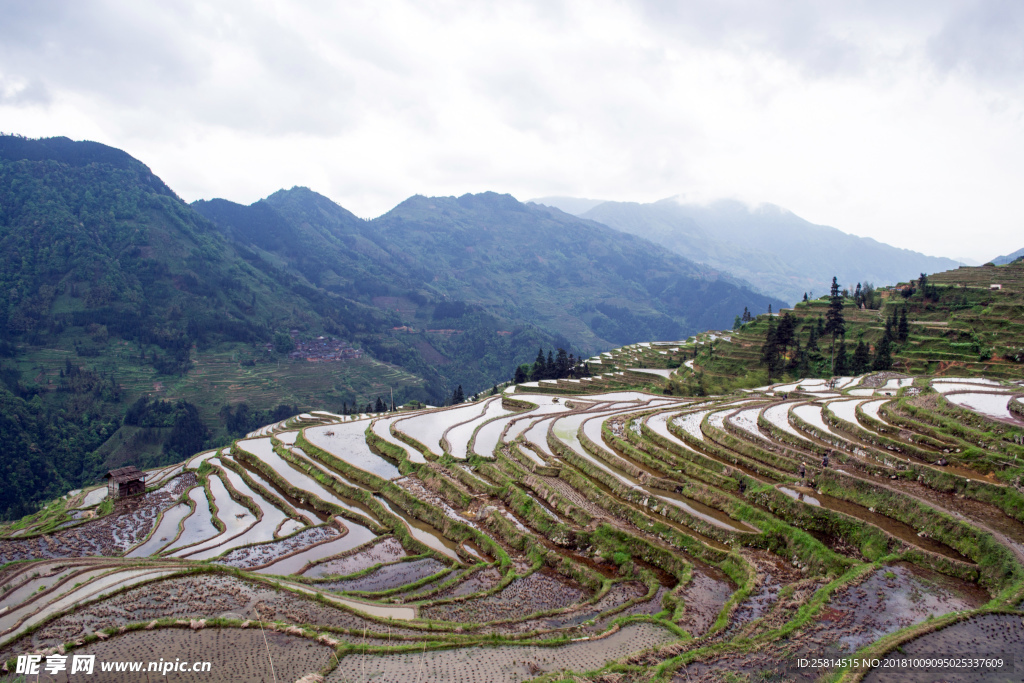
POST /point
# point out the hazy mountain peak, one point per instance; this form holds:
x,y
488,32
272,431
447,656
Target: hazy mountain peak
x,y
767,245
1009,258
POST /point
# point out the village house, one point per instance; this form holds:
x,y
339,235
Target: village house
x,y
125,481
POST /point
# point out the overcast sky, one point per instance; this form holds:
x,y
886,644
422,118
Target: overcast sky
x,y
903,121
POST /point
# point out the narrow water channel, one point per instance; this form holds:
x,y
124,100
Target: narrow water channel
x,y
902,531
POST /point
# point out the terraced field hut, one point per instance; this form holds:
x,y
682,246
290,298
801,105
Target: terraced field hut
x,y
125,481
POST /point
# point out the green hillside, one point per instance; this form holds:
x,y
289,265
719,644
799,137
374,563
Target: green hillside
x,y
957,325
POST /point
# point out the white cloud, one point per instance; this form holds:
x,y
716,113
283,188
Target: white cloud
x,y
900,121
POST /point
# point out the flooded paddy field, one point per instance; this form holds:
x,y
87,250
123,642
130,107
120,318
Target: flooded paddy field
x,y
387,577
348,442
295,563
880,545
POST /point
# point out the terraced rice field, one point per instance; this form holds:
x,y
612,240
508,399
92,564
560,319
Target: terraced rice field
x,y
618,535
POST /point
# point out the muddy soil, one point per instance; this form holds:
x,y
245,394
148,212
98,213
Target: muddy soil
x,y
234,654
126,526
998,635
773,574
196,597
503,664
885,601
254,556
384,552
539,591
618,594
705,596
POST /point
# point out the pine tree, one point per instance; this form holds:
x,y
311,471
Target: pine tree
x,y
458,397
786,331
379,407
883,356
798,356
812,339
835,324
520,375
805,297
861,359
540,367
812,354
770,356
842,364
561,365
550,369
903,330
803,365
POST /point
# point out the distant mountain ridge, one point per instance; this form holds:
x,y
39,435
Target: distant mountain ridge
x,y
1009,258
772,248
588,283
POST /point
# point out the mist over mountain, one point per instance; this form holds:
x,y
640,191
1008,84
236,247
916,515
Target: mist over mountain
x,y
772,248
574,205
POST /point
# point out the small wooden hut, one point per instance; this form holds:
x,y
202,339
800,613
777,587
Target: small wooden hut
x,y
125,481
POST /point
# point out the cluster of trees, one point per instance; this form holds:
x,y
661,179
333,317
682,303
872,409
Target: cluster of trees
x,y
380,406
457,397
561,366
867,296
242,419
782,350
747,317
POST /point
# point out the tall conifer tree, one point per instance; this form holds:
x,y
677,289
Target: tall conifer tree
x,y
835,324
